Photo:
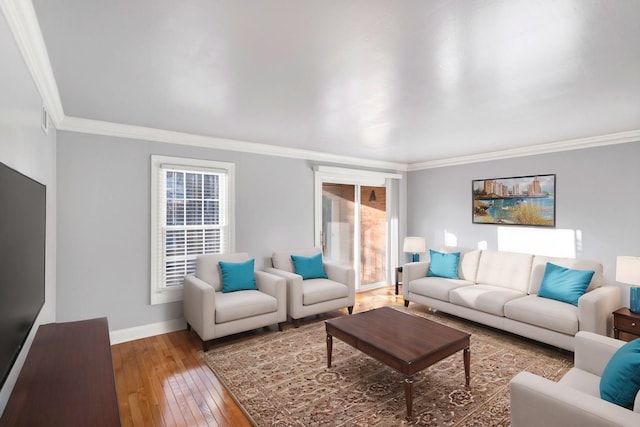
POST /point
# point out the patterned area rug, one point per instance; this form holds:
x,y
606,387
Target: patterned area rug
x,y
282,379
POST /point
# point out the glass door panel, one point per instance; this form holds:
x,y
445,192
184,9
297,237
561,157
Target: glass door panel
x,y
373,235
338,219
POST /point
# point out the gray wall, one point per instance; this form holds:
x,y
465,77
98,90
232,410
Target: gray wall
x,y
104,225
596,195
24,147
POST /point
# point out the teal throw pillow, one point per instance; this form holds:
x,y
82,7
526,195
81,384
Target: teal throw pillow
x,y
620,379
237,276
443,265
309,267
564,284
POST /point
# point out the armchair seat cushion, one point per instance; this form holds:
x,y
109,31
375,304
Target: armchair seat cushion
x,y
242,304
487,298
320,290
544,312
436,287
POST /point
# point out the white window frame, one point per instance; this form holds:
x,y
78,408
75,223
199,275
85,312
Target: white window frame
x,y
161,294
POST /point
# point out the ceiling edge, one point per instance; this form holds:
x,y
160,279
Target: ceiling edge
x,y
23,23
531,150
97,127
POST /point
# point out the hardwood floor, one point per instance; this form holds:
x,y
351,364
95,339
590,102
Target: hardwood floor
x,y
162,381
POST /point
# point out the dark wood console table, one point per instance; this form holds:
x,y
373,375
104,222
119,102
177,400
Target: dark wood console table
x,y
67,379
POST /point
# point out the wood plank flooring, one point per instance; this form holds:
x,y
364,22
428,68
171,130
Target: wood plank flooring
x,y
162,381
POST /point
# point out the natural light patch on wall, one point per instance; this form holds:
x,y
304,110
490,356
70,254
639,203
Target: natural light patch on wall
x,y
540,241
450,239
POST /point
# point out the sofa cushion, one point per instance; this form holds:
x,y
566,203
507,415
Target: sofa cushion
x,y
242,304
315,291
436,287
237,276
443,264
545,313
564,284
282,259
620,379
540,262
505,269
490,299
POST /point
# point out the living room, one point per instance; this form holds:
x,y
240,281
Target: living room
x,y
98,187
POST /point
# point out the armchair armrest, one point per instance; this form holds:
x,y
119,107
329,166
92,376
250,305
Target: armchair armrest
x,y
412,271
342,274
199,306
593,351
536,401
294,288
275,286
595,309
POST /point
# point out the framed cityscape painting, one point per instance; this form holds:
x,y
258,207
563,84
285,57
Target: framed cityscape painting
x,y
521,200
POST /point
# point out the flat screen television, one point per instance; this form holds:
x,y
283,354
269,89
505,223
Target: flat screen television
x,y
22,261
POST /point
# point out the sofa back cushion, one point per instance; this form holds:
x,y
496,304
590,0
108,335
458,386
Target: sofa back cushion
x,y
540,263
282,259
505,269
468,265
208,270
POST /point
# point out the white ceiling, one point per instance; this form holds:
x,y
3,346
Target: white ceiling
x,y
394,81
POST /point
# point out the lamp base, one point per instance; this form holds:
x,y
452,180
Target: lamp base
x,y
634,299
416,258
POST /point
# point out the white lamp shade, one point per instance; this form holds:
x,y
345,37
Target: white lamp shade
x,y
414,245
628,270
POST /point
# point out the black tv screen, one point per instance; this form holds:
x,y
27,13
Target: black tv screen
x,y
22,261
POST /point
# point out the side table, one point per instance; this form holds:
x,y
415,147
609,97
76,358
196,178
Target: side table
x,y
398,271
626,321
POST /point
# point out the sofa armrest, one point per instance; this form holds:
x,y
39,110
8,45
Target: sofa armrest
x,y
412,271
536,401
275,286
199,306
593,351
595,309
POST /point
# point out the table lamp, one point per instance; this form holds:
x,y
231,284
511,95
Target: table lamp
x,y
628,271
414,246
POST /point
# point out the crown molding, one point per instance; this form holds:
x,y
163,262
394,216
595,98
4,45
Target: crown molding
x,y
98,127
532,150
23,23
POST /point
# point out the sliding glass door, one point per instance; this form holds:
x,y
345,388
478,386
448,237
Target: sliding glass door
x,y
352,224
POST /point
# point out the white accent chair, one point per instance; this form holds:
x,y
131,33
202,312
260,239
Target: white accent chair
x,y
314,296
214,314
575,399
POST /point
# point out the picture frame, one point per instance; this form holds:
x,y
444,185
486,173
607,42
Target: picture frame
x,y
521,200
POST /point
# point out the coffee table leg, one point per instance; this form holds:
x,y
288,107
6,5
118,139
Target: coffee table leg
x,y
329,349
467,364
408,394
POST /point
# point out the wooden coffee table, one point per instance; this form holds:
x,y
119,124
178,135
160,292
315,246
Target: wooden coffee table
x,y
402,341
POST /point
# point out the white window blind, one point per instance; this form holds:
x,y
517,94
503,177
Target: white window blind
x,y
191,216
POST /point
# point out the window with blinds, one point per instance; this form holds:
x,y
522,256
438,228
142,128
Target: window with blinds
x,y
191,217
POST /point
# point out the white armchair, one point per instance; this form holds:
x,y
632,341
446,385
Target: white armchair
x,y
314,296
213,314
575,399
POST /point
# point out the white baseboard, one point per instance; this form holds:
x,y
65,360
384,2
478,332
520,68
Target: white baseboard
x,y
144,331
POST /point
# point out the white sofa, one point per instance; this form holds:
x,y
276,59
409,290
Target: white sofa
x,y
575,399
499,289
